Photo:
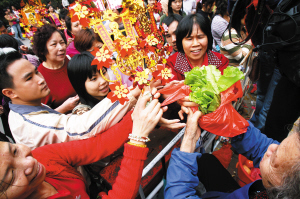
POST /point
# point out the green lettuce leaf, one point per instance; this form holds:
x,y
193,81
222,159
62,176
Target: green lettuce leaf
x,y
230,76
207,83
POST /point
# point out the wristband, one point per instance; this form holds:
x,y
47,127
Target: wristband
x,y
138,145
138,138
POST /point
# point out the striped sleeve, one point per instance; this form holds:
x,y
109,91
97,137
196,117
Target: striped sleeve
x,y
235,53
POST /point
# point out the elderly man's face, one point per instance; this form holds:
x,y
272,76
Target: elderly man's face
x,y
3,30
279,159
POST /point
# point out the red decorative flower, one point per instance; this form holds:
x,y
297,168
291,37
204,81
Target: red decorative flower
x,y
163,73
157,7
102,57
118,92
80,13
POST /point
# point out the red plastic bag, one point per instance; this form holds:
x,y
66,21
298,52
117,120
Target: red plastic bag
x,y
175,93
225,121
224,155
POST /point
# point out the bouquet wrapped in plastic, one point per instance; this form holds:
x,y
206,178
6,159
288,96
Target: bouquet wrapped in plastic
x,y
214,93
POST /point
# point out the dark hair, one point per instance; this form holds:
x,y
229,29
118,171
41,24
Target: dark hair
x,y
204,3
63,13
8,41
221,7
185,29
79,69
69,25
40,38
84,40
1,23
172,17
170,10
6,59
48,6
238,15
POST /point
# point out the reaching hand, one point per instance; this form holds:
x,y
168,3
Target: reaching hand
x,y
192,132
145,118
185,104
70,103
172,124
24,48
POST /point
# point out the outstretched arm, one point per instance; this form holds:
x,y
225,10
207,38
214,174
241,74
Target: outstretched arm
x,y
183,168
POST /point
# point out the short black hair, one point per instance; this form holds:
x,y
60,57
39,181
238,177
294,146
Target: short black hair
x,y
172,17
185,29
79,69
1,23
40,38
8,41
6,59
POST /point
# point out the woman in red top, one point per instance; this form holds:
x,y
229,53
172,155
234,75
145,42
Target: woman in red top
x,y
49,171
49,44
194,43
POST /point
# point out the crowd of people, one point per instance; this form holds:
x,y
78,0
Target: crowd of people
x,y
58,119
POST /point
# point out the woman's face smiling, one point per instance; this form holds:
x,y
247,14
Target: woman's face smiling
x,y
195,45
56,47
97,86
21,174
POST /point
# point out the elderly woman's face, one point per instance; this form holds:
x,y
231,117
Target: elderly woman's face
x,y
21,174
279,159
195,45
56,47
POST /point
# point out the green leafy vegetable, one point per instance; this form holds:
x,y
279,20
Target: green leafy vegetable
x,y
207,83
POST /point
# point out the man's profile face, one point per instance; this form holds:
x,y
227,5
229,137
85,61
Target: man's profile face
x,y
3,30
171,36
29,84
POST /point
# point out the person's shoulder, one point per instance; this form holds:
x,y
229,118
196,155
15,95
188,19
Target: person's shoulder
x,y
173,57
41,67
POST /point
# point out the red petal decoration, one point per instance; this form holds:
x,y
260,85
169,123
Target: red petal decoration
x,y
74,18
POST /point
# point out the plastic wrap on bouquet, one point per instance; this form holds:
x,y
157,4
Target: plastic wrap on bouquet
x,y
225,121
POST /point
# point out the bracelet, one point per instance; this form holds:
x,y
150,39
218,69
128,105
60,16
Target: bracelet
x,y
138,138
138,145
